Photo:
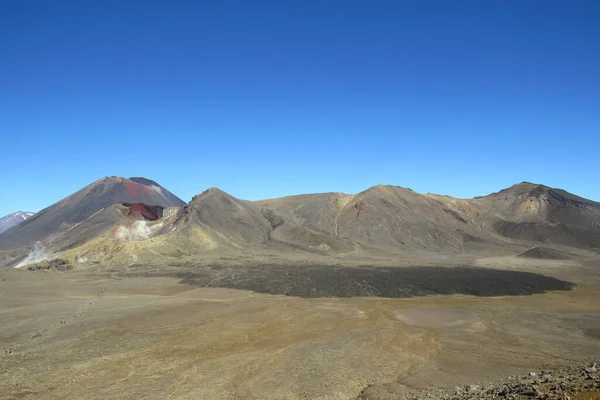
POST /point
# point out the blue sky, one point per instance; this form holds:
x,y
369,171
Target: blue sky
x,y
273,98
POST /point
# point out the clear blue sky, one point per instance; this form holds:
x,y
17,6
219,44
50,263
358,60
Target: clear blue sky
x,y
272,98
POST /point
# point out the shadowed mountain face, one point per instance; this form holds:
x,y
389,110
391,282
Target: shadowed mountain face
x,y
379,220
81,205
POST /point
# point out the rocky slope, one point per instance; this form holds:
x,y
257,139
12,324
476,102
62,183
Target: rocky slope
x,y
397,218
574,383
382,221
531,212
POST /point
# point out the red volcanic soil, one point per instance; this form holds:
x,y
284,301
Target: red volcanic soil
x,y
135,189
140,210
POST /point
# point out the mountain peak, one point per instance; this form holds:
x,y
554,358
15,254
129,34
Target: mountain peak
x,y
526,184
73,209
144,181
212,191
519,189
382,189
13,219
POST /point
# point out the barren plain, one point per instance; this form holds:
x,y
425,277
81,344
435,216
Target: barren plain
x,y
202,330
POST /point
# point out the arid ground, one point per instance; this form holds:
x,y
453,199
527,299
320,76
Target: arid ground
x,y
127,334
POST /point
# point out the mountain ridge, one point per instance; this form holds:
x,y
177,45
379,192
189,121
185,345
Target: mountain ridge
x,y
382,219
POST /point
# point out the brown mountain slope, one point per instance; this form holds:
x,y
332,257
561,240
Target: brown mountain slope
x,y
397,217
119,221
531,212
529,202
226,218
318,211
212,223
233,222
76,208
380,220
384,216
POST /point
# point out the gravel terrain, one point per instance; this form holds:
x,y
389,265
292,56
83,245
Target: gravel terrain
x,y
574,383
364,281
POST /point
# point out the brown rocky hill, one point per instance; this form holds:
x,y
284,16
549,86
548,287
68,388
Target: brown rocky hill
x,y
381,219
231,222
318,211
225,218
389,217
529,202
393,217
538,213
54,221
